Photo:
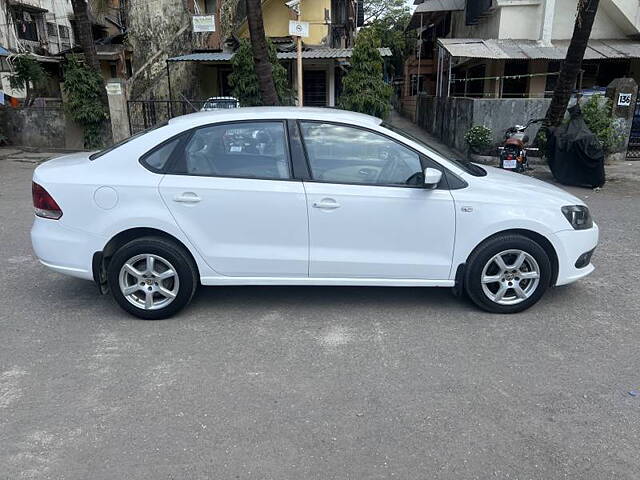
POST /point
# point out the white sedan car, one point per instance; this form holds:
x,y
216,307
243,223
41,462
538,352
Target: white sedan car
x,y
301,196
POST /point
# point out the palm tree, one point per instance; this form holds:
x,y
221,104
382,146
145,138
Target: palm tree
x,y
85,33
571,66
260,53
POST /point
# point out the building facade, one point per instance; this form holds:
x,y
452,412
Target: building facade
x,y
326,50
163,29
514,48
42,28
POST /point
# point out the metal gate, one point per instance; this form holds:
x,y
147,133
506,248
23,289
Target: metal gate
x,y
145,114
633,150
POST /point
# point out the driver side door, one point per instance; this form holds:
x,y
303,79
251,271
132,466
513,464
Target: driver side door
x,y
368,217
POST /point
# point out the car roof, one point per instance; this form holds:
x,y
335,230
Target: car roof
x,y
261,113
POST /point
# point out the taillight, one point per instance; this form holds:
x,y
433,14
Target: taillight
x,y
44,204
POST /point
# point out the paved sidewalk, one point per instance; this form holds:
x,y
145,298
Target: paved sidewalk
x,y
30,155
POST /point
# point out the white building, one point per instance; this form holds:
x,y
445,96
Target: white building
x,y
41,27
512,48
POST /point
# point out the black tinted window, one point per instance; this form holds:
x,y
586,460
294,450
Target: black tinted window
x,y
343,154
250,150
157,158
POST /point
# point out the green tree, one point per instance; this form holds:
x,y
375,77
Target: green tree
x,y
390,31
261,60
82,86
27,75
375,10
364,89
244,80
84,29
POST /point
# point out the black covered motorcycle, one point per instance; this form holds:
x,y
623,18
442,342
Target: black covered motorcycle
x,y
574,153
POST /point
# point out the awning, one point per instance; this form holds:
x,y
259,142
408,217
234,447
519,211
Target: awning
x,y
440,6
328,53
431,7
27,6
317,53
532,50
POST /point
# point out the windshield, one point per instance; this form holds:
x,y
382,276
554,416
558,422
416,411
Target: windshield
x,y
465,165
126,140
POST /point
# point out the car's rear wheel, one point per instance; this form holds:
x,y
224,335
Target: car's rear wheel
x,y
152,278
507,274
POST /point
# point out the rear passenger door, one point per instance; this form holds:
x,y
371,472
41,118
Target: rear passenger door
x,y
230,189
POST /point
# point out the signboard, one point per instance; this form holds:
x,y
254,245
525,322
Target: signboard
x,y
114,88
204,23
298,29
624,99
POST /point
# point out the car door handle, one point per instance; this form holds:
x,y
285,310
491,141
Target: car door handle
x,y
187,197
326,204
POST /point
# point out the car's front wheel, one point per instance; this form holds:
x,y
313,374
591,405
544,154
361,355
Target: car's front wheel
x,y
507,274
152,278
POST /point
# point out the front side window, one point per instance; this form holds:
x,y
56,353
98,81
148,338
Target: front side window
x,y
465,165
247,150
343,154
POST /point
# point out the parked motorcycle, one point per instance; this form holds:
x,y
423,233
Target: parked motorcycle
x,y
513,152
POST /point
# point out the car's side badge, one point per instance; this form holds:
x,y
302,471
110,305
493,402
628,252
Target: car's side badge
x,y
467,209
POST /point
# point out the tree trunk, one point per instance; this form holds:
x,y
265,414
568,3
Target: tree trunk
x,y
571,66
85,33
261,53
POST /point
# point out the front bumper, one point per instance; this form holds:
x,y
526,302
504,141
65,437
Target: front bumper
x,y
63,249
571,244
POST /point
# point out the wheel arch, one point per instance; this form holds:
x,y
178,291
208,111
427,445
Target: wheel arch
x,y
540,239
101,259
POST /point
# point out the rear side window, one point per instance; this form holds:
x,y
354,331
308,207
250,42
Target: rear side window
x,y
246,150
157,158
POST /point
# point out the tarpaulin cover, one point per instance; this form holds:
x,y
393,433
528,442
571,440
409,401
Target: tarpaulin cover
x,y
574,153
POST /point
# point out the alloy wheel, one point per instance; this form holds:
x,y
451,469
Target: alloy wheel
x,y
148,281
510,277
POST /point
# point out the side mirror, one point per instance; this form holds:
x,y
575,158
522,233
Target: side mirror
x,y
432,178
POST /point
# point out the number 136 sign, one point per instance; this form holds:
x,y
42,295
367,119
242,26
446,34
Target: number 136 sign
x,y
624,99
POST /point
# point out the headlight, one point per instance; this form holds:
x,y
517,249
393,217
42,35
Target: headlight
x,y
578,216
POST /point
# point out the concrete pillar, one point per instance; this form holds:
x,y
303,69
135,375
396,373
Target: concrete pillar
x,y
537,84
332,85
493,88
623,93
546,25
117,96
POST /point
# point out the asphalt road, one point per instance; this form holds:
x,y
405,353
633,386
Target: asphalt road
x,y
321,383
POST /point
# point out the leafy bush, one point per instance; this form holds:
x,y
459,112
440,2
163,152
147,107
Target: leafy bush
x,y
364,89
597,113
244,81
84,104
478,137
27,73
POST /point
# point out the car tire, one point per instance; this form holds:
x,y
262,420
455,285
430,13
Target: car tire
x,y
507,274
152,278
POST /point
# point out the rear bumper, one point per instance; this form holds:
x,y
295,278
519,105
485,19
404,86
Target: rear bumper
x,y
571,244
63,249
